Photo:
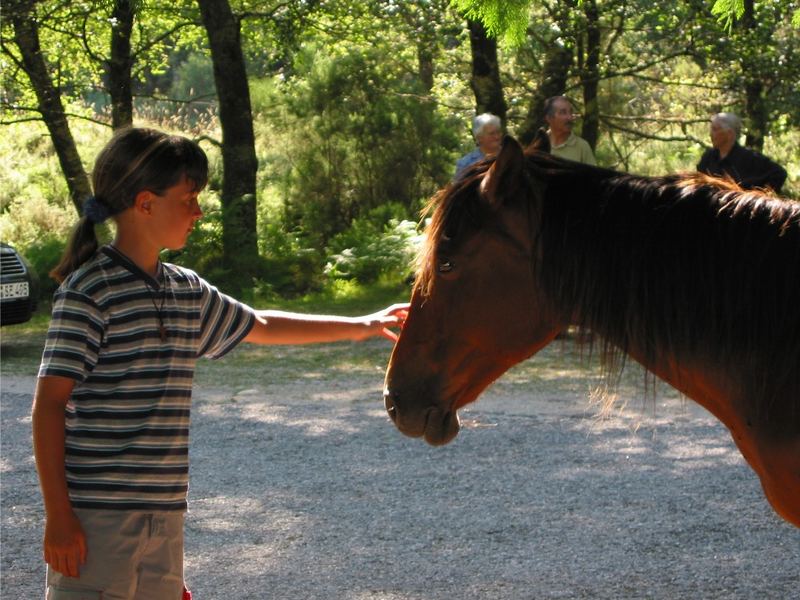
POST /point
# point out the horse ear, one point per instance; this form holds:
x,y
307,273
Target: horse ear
x,y
540,142
504,177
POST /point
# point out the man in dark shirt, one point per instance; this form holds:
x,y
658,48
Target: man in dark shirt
x,y
746,167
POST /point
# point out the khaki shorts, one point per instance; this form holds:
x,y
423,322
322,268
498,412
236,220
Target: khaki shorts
x,y
130,556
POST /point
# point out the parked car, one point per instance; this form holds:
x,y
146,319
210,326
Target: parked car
x,y
19,287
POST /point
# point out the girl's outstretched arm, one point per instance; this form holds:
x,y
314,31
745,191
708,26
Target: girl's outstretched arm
x,y
279,327
64,539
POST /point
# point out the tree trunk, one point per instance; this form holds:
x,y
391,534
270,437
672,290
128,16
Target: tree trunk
x,y
554,83
425,65
485,79
26,37
239,243
121,63
424,120
755,105
425,68
590,74
756,116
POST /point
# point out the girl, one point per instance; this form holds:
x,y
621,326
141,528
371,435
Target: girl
x,y
111,408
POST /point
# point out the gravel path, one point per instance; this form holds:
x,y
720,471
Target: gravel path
x,y
303,489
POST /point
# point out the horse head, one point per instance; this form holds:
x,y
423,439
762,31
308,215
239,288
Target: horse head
x,y
474,310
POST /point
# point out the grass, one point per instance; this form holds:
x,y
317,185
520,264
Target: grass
x,y
345,298
21,345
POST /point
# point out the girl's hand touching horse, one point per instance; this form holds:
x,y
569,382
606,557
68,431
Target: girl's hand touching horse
x,y
379,323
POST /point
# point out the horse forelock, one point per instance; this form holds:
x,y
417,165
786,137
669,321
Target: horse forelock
x,y
443,208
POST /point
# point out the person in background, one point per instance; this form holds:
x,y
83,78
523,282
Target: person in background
x,y
560,118
726,157
487,129
110,414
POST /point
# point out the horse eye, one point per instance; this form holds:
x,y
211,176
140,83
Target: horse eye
x,y
445,267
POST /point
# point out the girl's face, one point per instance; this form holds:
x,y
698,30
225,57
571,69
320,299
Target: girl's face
x,y
176,212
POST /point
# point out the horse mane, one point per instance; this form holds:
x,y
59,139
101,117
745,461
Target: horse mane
x,y
686,266
683,265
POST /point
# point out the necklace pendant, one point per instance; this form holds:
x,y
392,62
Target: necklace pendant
x,y
163,331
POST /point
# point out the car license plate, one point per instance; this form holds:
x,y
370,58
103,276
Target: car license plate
x,y
14,290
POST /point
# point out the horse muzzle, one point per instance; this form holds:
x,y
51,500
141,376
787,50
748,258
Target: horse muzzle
x,y
437,427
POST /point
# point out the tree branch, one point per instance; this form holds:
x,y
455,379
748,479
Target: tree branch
x,y
646,119
32,109
650,136
210,140
644,66
264,15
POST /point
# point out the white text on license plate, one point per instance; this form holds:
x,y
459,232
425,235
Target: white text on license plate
x,y
14,290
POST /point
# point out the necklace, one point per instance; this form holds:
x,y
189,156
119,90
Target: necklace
x,y
161,329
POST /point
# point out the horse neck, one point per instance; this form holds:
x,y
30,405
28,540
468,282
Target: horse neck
x,y
587,230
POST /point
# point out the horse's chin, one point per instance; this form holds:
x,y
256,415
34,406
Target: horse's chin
x,y
441,428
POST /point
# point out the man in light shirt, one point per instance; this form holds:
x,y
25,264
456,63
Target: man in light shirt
x,y
560,118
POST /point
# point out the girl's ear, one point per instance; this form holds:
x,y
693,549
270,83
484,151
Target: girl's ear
x,y
143,201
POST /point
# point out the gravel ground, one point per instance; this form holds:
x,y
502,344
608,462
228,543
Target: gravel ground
x,y
303,489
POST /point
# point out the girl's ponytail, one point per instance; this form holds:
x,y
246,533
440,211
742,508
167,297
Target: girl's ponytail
x,y
82,244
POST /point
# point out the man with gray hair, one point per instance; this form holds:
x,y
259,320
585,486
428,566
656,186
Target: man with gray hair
x,y
487,129
560,118
726,157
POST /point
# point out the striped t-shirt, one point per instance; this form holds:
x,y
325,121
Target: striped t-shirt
x,y
127,422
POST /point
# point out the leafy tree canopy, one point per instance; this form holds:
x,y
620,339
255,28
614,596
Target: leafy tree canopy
x,y
508,19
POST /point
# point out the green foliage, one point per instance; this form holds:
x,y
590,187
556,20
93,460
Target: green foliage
x,y
76,43
359,137
36,214
373,248
505,19
346,297
190,93
291,266
42,255
360,110
728,10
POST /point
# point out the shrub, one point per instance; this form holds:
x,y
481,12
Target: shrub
x,y
43,255
370,251
356,136
291,266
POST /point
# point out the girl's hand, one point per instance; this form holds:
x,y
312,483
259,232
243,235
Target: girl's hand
x,y
379,323
64,544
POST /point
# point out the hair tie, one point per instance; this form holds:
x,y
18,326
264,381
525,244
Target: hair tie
x,y
95,211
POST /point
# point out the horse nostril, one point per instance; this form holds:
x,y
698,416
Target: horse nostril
x,y
389,403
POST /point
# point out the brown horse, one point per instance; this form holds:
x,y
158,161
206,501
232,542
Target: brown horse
x,y
692,277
